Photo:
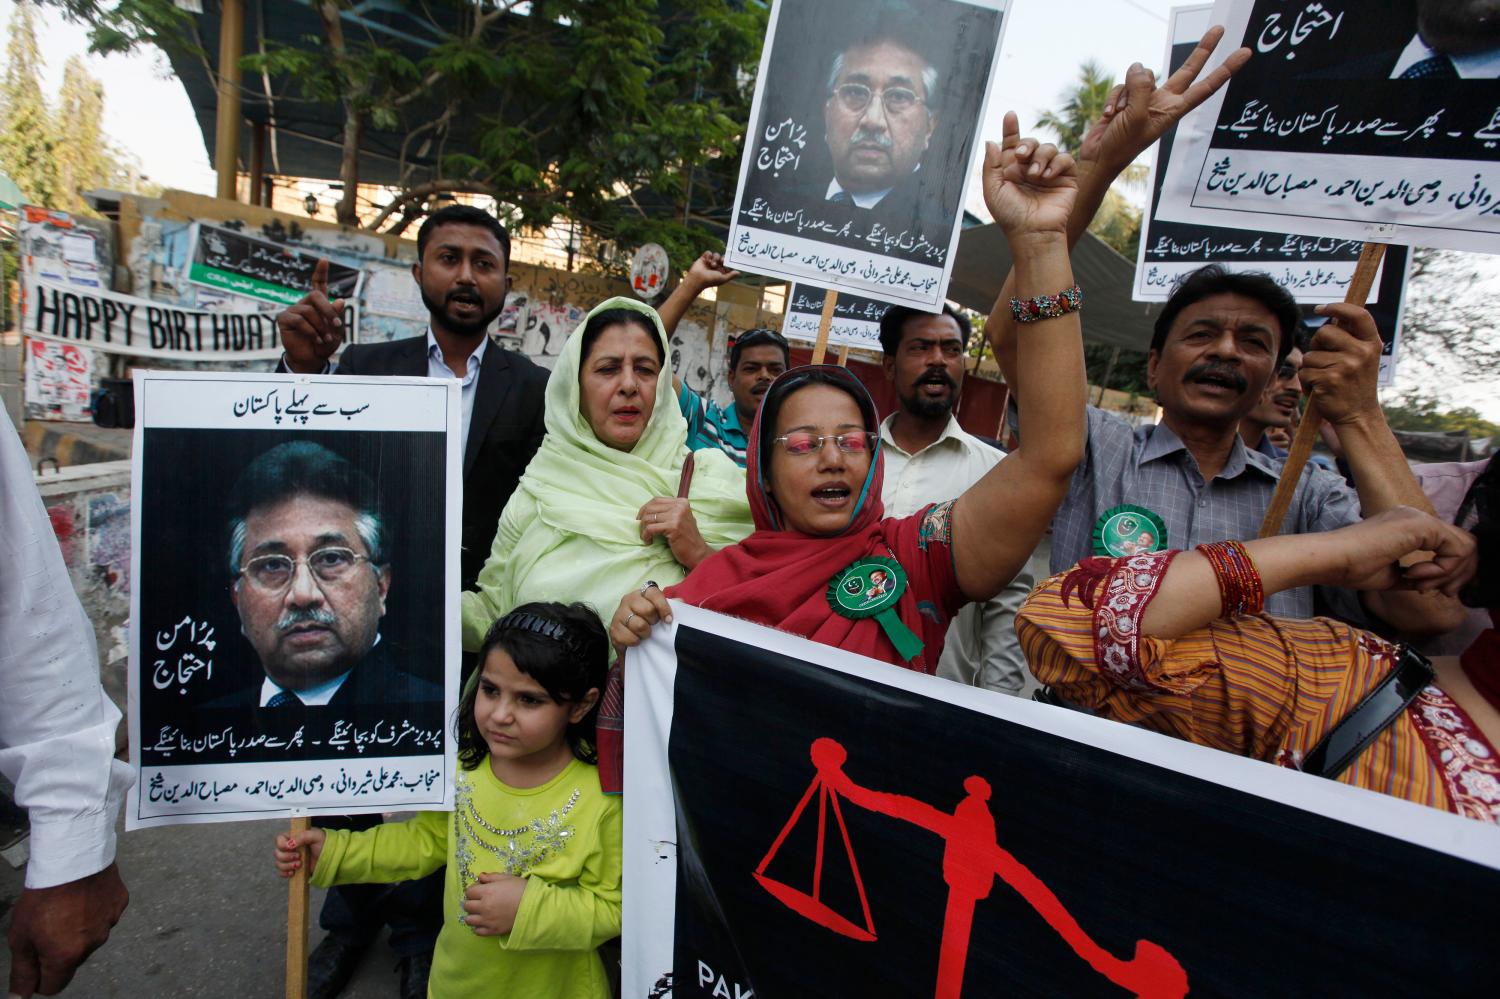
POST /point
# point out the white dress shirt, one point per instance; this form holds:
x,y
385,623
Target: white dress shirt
x,y
57,726
438,368
981,648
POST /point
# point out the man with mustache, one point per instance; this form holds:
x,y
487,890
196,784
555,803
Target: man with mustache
x,y
929,458
463,255
879,117
1217,341
309,552
1272,423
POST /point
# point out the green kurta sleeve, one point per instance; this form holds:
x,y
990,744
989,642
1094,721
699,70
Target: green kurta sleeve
x,y
578,915
390,852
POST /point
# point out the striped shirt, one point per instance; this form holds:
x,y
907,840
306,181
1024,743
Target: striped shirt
x,y
712,426
1263,687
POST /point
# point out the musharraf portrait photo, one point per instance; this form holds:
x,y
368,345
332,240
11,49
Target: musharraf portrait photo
x,y
292,603
866,122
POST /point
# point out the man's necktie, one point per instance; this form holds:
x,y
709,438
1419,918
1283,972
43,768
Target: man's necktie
x,y
842,198
1437,67
283,699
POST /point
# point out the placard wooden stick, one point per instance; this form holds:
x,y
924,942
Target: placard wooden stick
x,y
296,921
825,324
1307,433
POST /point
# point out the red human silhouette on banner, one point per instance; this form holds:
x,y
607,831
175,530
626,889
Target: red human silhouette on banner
x,y
972,859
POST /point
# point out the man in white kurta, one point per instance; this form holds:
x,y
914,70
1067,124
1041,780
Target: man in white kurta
x,y
929,458
57,743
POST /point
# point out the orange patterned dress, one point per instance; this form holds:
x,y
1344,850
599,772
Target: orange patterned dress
x,y
1257,686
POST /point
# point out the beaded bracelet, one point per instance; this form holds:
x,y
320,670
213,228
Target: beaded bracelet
x,y
1240,589
1032,310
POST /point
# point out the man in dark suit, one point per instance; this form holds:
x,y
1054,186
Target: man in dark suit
x,y
878,120
463,254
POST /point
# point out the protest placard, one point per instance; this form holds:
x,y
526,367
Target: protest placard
x,y
141,327
856,320
1313,269
258,268
294,621
862,134
1351,121
844,827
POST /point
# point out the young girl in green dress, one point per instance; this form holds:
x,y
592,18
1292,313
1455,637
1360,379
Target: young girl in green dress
x,y
532,845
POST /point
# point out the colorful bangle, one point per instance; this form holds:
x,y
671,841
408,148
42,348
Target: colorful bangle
x,y
1032,310
1240,588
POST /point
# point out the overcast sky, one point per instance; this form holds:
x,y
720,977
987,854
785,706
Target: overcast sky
x,y
147,110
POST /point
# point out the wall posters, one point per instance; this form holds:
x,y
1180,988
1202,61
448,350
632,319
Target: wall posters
x,y
233,261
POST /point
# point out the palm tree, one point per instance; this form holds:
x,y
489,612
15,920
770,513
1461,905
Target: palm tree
x,y
1081,106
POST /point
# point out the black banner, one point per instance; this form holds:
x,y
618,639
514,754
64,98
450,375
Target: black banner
x,y
839,836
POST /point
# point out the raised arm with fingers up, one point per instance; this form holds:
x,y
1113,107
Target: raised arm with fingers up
x,y
1137,113
1030,190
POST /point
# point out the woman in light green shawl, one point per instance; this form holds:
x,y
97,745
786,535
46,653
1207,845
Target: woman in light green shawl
x,y
605,480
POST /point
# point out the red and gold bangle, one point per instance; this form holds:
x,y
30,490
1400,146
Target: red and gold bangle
x,y
1031,310
1240,589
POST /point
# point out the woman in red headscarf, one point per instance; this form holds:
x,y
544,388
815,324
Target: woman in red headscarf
x,y
814,474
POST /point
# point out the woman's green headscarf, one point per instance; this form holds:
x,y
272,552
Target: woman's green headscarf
x,y
570,531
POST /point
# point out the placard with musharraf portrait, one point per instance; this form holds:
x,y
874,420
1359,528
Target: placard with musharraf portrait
x,y
294,629
861,140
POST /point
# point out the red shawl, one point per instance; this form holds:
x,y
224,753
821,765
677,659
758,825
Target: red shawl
x,y
780,578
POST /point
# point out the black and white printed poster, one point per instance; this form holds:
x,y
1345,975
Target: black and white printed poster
x,y
294,623
1314,269
801,821
856,319
862,140
1353,119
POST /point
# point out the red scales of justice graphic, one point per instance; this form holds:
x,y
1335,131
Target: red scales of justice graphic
x,y
972,859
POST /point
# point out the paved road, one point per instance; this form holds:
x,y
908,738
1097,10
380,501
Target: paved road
x,y
207,918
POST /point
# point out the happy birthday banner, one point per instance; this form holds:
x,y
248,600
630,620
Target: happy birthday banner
x,y
141,327
845,827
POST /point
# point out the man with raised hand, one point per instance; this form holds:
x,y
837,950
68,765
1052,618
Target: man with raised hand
x,y
1217,342
756,357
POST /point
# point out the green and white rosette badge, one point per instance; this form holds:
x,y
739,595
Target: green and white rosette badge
x,y
1129,530
870,588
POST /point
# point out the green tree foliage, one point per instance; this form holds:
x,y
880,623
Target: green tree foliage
x,y
26,135
624,117
56,154
1424,412
82,157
